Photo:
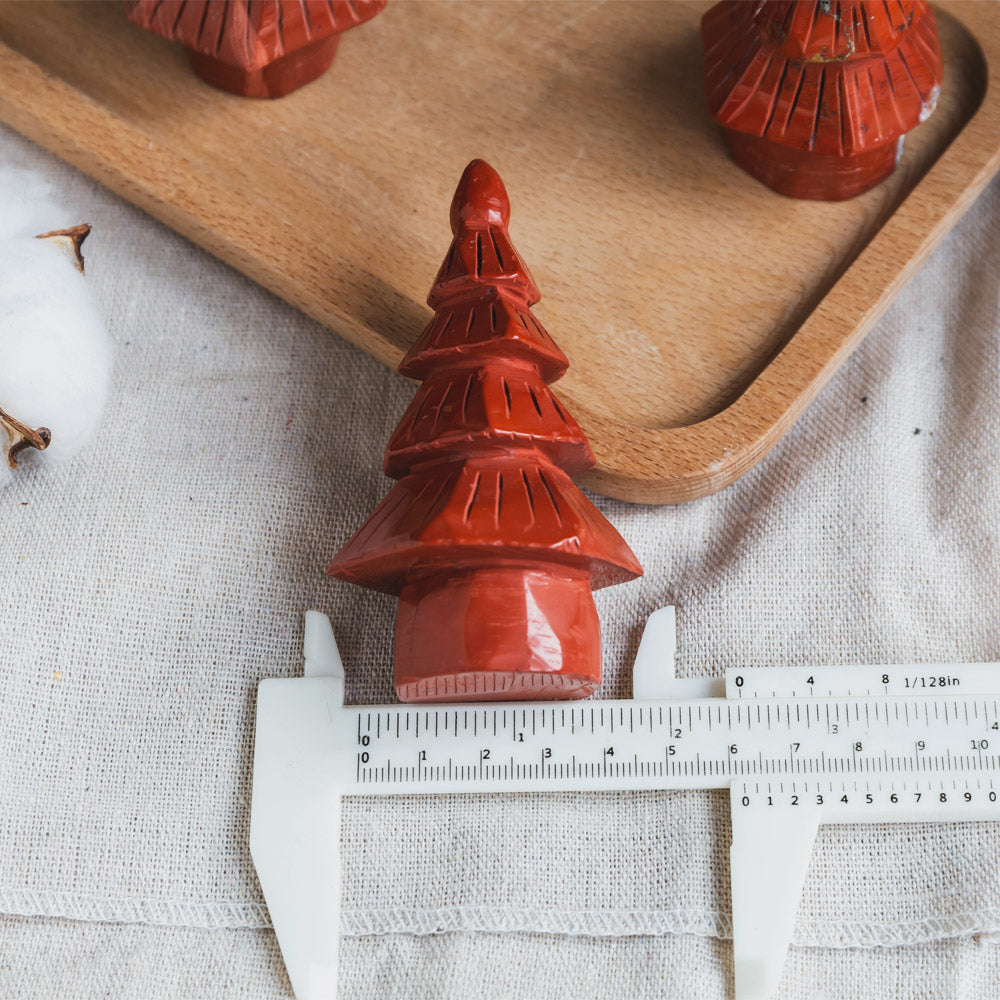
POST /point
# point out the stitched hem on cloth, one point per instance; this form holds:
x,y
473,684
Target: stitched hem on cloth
x,y
168,912
490,919
656,923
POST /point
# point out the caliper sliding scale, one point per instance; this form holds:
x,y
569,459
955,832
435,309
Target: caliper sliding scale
x,y
796,747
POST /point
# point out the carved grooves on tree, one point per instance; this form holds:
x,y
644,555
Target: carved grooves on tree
x,y
250,33
490,545
471,412
832,78
501,324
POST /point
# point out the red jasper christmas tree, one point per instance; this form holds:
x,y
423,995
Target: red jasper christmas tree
x,y
816,97
255,48
491,547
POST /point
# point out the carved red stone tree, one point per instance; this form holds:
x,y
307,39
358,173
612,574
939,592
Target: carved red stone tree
x,y
255,48
491,547
815,96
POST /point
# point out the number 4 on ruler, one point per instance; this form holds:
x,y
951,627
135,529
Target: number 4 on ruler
x,y
796,747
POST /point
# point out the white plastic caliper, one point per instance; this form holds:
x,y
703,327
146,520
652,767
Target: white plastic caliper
x,y
796,747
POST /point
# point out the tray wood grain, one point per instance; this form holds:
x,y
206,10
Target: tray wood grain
x,y
700,311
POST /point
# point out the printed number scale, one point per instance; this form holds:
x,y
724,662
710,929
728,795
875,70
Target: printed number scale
x,y
796,747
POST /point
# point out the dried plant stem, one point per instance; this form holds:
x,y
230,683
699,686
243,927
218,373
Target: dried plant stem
x,y
20,436
70,240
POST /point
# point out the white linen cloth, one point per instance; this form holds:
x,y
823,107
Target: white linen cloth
x,y
148,587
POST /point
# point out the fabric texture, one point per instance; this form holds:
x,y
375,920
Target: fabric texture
x,y
150,585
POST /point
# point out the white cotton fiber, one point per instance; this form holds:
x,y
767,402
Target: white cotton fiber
x,y
27,207
55,356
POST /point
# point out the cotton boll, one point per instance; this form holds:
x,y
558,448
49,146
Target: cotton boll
x,y
27,207
55,358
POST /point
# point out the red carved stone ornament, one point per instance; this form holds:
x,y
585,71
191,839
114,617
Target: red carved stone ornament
x,y
491,547
255,48
816,96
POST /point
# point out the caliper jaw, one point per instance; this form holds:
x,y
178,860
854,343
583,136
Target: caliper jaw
x,y
295,824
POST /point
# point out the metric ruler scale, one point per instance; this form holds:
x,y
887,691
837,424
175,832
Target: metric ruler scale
x,y
796,747
620,745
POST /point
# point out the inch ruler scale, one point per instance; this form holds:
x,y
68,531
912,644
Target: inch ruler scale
x,y
796,747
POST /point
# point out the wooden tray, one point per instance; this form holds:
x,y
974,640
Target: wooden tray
x,y
701,312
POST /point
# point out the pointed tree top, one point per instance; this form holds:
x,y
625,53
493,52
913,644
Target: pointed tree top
x,y
483,291
480,199
482,262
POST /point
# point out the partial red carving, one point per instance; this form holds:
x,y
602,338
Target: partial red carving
x,y
816,96
491,547
255,48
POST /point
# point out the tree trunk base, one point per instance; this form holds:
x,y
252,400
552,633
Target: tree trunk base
x,y
498,634
800,173
276,79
